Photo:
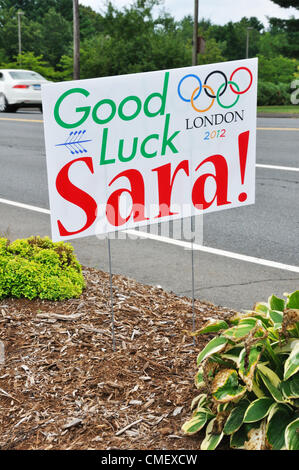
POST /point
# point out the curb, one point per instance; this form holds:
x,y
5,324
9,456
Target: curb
x,y
278,115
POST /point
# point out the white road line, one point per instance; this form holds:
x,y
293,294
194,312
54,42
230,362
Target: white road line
x,y
25,206
215,251
180,243
277,167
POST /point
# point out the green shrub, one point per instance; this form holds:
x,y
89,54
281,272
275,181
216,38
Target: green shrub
x,y
37,267
271,94
248,377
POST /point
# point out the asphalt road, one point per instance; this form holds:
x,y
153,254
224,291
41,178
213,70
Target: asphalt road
x,y
269,230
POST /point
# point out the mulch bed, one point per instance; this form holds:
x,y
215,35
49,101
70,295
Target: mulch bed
x,y
63,387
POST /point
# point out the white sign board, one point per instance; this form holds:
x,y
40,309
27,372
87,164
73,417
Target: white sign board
x,y
137,149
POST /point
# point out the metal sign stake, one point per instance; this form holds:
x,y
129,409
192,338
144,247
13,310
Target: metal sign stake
x,y
193,280
111,295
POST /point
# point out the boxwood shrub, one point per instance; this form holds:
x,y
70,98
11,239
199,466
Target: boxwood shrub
x,y
36,267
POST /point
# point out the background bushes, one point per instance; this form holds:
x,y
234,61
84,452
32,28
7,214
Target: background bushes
x,y
141,37
271,94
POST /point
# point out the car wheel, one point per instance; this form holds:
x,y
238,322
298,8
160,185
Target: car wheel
x,y
3,103
4,106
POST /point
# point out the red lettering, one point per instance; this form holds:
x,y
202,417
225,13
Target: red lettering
x,y
76,196
221,179
165,185
137,194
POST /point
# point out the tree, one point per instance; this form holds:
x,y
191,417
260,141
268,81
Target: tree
x,y
277,70
233,35
91,23
212,54
35,9
31,34
56,36
287,3
288,31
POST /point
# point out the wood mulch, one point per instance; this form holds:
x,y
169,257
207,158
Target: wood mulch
x,y
63,387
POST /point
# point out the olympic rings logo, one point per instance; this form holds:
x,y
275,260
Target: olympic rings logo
x,y
211,93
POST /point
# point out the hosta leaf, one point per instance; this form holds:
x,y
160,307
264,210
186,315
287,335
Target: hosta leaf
x,y
256,438
239,332
286,347
276,317
211,440
198,401
238,438
276,303
292,435
293,300
204,409
256,388
273,334
236,319
266,322
235,418
215,345
198,379
278,419
223,407
290,387
247,365
258,409
286,389
294,383
272,382
261,307
233,354
211,326
225,386
195,424
291,365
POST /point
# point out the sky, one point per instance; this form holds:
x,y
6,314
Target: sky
x,y
218,11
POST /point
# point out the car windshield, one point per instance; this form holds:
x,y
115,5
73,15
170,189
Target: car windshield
x,y
25,75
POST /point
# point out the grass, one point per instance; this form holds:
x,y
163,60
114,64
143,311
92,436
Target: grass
x,y
289,109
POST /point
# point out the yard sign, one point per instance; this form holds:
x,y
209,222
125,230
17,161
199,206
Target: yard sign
x,y
137,149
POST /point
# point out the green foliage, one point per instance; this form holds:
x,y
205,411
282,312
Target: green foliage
x,y
34,9
56,36
133,39
277,70
274,94
288,33
30,61
287,3
249,379
37,267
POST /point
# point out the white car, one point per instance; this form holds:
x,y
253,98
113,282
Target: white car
x,y
20,88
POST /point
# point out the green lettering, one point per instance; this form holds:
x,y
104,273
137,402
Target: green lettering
x,y
95,111
85,110
142,147
162,96
121,149
103,160
121,106
167,141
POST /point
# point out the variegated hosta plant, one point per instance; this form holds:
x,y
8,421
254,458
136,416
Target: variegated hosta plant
x,y
248,379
